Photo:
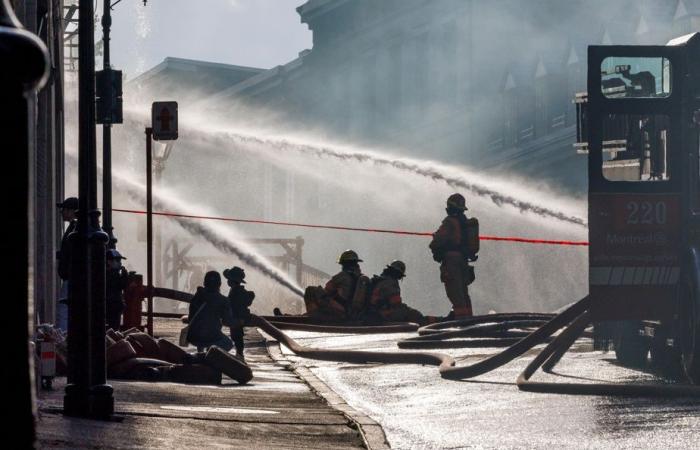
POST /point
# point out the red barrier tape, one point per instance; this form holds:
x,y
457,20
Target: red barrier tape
x,y
367,230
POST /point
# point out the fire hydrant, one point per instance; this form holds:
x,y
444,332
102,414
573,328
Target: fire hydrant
x,y
134,295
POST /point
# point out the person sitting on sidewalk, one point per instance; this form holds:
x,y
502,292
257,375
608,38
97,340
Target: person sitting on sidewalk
x,y
209,310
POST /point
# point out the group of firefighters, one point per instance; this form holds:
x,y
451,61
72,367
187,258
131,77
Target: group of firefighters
x,y
349,296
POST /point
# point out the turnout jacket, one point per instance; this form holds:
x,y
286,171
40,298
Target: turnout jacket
x,y
450,236
206,326
386,292
341,287
240,300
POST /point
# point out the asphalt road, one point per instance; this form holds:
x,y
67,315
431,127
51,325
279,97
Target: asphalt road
x,y
419,409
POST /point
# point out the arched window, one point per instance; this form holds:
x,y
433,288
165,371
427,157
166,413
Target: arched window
x,y
510,111
543,87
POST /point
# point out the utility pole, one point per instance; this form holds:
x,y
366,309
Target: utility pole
x,y
25,68
149,229
87,394
107,134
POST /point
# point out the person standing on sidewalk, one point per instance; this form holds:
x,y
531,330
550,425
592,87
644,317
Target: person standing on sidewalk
x,y
454,245
69,213
209,311
117,279
240,299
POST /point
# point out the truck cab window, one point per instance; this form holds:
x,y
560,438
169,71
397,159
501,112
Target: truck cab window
x,y
627,77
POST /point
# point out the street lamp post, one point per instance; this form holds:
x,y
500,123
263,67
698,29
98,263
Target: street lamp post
x,y
107,136
109,112
87,394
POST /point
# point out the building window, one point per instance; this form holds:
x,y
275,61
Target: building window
x,y
510,113
526,122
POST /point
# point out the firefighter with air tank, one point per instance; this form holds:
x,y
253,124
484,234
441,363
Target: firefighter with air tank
x,y
384,301
334,302
454,245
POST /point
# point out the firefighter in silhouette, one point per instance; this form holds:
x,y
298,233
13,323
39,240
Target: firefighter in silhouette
x,y
69,213
454,245
209,310
385,303
240,299
334,302
116,282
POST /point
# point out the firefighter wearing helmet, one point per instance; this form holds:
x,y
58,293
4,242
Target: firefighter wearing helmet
x,y
454,245
333,303
385,302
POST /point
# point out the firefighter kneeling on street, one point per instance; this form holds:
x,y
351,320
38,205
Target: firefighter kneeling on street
x,y
454,245
385,303
333,303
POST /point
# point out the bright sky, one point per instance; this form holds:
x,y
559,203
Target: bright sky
x,y
257,33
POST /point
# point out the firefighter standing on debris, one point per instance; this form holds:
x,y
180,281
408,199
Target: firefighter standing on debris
x,y
454,245
117,279
385,303
334,301
240,299
209,310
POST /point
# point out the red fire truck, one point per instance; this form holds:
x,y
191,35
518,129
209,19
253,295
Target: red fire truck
x,y
639,125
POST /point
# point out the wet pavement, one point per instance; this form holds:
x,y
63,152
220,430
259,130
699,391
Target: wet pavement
x,y
419,409
276,409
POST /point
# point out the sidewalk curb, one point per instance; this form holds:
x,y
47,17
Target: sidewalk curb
x,y
372,433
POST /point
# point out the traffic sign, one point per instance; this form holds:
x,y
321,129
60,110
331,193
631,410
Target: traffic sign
x,y
164,121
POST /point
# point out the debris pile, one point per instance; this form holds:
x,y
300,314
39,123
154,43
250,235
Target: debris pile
x,y
134,355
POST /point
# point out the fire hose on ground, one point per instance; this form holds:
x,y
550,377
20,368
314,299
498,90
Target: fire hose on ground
x,y
496,328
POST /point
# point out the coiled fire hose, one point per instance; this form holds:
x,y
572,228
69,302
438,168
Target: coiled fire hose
x,y
573,319
496,328
353,356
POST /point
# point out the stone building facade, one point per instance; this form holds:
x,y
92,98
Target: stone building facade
x,y
485,84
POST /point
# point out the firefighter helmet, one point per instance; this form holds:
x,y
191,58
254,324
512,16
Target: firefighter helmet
x,y
456,201
348,256
235,274
398,266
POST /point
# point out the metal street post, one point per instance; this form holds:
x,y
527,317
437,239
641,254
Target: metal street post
x,y
25,62
159,168
149,229
107,135
109,112
87,394
163,128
